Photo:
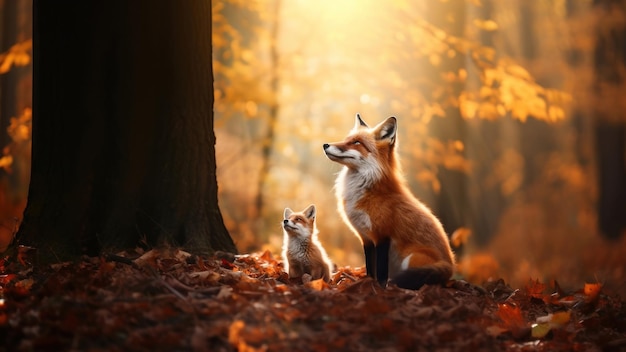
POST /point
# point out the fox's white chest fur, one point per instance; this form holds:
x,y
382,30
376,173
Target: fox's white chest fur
x,y
350,188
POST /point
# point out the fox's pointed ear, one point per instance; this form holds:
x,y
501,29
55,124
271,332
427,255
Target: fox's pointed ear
x,y
386,130
310,211
287,213
358,122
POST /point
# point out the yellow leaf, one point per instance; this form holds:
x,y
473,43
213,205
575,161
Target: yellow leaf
x,y
556,113
6,161
536,107
486,92
561,318
488,111
467,107
520,111
501,109
539,331
491,76
548,322
486,25
517,71
7,61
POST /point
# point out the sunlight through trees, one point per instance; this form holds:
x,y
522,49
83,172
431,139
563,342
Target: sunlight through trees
x,y
493,101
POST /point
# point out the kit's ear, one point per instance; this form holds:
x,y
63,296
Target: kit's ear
x,y
310,211
287,213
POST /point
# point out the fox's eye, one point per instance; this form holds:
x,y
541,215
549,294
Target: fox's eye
x,y
356,142
299,219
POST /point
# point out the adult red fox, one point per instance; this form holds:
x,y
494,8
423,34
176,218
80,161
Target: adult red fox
x,y
302,251
401,237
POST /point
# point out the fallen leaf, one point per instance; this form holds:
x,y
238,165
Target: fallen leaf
x,y
535,289
540,330
592,291
495,330
318,285
511,316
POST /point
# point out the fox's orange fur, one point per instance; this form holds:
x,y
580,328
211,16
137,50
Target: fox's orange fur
x,y
402,238
302,251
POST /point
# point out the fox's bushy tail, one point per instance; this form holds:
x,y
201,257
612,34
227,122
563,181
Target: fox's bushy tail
x,y
413,278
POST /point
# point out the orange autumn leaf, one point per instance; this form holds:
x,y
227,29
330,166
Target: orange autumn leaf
x,y
235,332
592,291
267,256
511,316
318,285
535,289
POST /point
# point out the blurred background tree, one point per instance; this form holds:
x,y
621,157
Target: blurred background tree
x,y
511,123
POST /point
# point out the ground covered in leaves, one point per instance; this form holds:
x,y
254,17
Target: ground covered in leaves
x,y
170,300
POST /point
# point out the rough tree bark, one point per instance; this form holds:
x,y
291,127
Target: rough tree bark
x,y
123,140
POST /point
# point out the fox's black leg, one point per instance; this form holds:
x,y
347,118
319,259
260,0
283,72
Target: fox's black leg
x,y
382,262
370,258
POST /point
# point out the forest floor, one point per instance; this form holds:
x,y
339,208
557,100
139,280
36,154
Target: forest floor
x,y
170,300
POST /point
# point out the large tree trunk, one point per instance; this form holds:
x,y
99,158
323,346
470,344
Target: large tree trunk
x,y
123,142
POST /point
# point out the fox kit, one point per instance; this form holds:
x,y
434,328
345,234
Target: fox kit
x,y
302,251
401,237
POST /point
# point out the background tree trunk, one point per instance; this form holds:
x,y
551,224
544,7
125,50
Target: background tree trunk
x,y
610,129
123,141
451,202
267,141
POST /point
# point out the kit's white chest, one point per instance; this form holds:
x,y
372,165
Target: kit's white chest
x,y
298,249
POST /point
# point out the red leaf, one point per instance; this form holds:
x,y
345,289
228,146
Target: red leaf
x,y
227,264
512,317
535,289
